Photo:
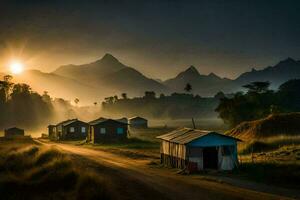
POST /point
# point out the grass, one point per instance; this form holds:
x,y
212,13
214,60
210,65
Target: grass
x,y
271,126
37,172
275,173
269,144
273,160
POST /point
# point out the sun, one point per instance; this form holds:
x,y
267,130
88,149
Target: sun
x,y
16,67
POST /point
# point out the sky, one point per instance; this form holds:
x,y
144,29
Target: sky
x,y
159,38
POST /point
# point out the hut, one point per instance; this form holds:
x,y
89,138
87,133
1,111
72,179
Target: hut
x,y
52,131
102,130
72,129
14,132
197,150
138,122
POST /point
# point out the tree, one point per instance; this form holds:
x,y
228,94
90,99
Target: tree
x,y
257,87
5,87
149,95
109,100
95,103
124,95
46,97
76,101
188,87
219,95
116,98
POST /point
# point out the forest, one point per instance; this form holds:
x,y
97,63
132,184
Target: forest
x,y
174,106
20,106
259,101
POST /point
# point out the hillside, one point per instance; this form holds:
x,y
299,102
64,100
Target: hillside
x,y
112,75
273,125
283,71
204,85
106,65
133,82
58,86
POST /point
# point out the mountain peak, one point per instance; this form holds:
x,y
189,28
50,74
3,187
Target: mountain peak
x,y
192,70
109,58
289,60
213,75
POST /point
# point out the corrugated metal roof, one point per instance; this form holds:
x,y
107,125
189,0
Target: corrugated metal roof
x,y
96,121
187,135
101,120
67,122
137,118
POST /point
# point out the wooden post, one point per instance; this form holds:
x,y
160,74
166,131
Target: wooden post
x,y
194,126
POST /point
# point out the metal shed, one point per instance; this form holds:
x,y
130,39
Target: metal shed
x,y
198,150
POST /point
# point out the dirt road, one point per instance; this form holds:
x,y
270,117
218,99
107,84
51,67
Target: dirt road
x,y
136,179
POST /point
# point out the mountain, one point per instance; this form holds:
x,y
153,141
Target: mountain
x,y
89,72
111,75
205,85
58,86
283,71
133,82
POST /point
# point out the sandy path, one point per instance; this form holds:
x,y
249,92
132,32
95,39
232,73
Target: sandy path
x,y
134,179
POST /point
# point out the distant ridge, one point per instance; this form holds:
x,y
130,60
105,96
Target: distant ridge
x,y
205,85
283,71
108,77
116,77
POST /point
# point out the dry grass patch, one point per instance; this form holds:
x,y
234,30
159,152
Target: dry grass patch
x,y
37,172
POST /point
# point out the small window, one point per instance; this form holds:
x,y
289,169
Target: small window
x,y
120,130
72,129
83,129
102,130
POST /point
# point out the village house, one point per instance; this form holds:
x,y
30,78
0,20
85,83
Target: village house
x,y
102,130
52,131
198,150
14,132
72,129
138,122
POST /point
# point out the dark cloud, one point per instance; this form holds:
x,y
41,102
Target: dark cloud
x,y
159,37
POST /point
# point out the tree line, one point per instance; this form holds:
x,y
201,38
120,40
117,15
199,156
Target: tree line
x,y
259,102
174,106
21,106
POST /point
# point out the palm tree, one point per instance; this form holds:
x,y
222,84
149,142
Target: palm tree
x,y
188,87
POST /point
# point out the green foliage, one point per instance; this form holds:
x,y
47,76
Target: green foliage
x,y
259,102
21,106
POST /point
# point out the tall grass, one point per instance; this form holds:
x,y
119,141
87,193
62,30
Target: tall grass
x,y
36,172
269,144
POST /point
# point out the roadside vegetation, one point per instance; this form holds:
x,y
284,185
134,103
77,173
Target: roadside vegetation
x,y
32,171
274,160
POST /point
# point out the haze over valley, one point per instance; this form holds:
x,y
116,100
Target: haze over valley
x,y
107,76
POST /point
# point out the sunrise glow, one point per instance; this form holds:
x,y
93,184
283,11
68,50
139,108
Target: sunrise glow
x,y
16,67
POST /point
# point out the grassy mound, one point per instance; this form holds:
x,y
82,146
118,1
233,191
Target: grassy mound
x,y
38,172
273,125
